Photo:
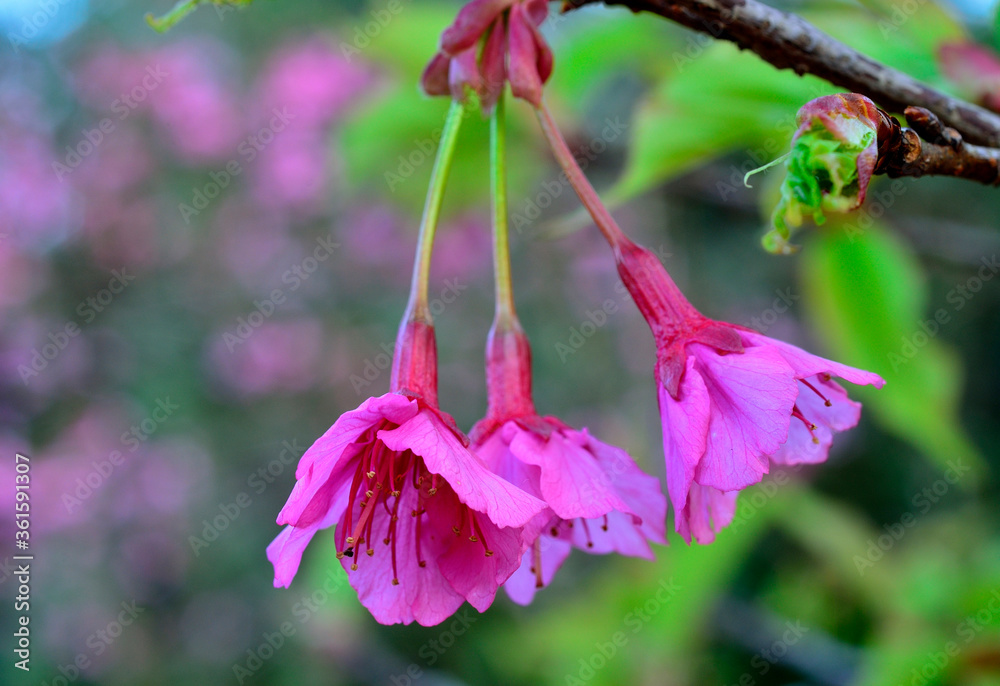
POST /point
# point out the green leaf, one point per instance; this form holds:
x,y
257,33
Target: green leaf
x,y
592,46
721,100
866,295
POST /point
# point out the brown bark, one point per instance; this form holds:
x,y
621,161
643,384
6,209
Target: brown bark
x,y
790,42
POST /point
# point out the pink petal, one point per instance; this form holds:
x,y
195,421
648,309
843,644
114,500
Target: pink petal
x,y
463,74
800,447
494,67
685,432
545,60
285,551
470,571
642,492
536,11
334,450
423,594
434,80
443,453
708,512
525,82
495,454
806,364
751,395
521,586
470,24
572,481
624,535
843,413
350,426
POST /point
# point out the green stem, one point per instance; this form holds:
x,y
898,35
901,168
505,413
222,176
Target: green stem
x,y
498,185
417,306
577,179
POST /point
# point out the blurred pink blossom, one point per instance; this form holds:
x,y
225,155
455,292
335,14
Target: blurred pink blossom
x,y
376,236
34,207
195,101
462,250
293,171
312,80
280,356
255,246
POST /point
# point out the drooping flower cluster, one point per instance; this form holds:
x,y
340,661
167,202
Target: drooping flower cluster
x,y
514,50
427,518
422,525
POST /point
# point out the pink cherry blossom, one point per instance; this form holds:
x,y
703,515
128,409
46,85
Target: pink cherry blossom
x,y
732,401
598,499
514,52
307,76
422,524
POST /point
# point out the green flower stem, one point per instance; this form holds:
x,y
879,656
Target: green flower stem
x,y
417,308
498,186
588,196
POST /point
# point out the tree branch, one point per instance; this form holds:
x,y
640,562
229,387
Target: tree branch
x,y
930,148
790,42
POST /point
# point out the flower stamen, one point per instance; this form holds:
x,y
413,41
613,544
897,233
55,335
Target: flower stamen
x,y
826,401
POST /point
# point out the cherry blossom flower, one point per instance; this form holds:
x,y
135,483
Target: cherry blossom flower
x,y
599,501
732,401
422,524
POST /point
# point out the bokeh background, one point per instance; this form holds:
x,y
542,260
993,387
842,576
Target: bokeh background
x,y
205,240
